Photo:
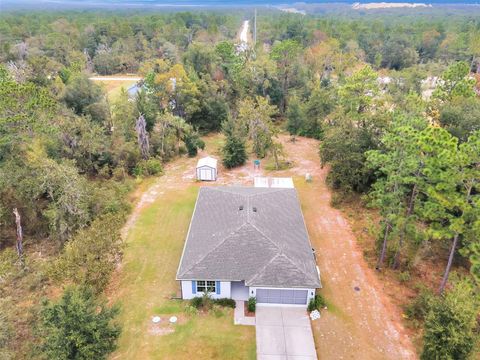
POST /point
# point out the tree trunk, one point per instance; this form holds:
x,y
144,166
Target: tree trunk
x,y
163,139
142,136
381,259
19,243
449,264
411,206
283,103
275,157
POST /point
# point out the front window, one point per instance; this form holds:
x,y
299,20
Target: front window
x,y
206,286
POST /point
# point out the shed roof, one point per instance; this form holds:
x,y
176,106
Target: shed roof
x,y
253,234
207,161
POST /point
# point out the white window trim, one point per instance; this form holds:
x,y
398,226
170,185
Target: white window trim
x,y
212,289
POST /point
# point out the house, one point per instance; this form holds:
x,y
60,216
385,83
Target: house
x,y
249,242
133,91
207,169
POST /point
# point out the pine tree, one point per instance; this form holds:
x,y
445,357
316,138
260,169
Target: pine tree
x,y
78,326
234,151
295,118
450,324
399,181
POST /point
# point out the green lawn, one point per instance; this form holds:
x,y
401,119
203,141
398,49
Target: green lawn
x,y
116,89
147,282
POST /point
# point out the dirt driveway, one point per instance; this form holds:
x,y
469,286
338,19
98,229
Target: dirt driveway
x,y
361,322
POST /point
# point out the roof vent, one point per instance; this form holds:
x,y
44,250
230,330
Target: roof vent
x,y
240,207
254,209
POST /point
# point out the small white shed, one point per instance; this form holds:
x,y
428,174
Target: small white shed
x,y
207,169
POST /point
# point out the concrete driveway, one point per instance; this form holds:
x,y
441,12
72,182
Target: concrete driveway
x,y
284,333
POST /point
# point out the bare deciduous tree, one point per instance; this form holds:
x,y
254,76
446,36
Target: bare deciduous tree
x,y
19,243
142,135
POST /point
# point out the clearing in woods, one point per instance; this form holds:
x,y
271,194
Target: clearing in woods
x,y
361,322
112,84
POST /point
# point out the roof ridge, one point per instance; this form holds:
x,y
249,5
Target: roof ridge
x,y
264,267
291,261
214,248
220,189
273,258
264,235
262,191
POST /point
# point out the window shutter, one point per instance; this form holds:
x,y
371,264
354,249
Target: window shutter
x,y
217,287
194,287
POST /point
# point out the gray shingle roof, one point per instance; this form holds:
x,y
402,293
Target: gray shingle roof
x,y
266,247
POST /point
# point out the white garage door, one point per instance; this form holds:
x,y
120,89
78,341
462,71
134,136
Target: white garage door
x,y
282,296
206,174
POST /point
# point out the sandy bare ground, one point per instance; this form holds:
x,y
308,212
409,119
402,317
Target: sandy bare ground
x,y
384,5
361,322
180,174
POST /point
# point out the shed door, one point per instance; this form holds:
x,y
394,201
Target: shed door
x,y
206,174
282,296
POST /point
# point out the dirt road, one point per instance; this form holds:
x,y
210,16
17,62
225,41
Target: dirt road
x,y
361,322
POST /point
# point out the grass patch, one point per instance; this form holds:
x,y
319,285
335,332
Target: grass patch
x,y
147,281
214,144
282,165
171,307
116,89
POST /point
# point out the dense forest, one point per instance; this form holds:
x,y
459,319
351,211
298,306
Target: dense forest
x,y
394,101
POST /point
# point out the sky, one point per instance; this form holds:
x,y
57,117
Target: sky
x,y
187,4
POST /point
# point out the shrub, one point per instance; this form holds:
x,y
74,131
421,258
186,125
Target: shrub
x,y
225,302
196,302
78,326
316,303
8,257
450,325
191,310
6,332
193,143
148,167
418,308
252,304
404,276
207,301
311,305
111,197
217,311
92,254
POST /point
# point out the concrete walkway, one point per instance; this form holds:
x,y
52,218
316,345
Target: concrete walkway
x,y
284,333
239,317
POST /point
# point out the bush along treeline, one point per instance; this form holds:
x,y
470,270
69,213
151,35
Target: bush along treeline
x,y
393,102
